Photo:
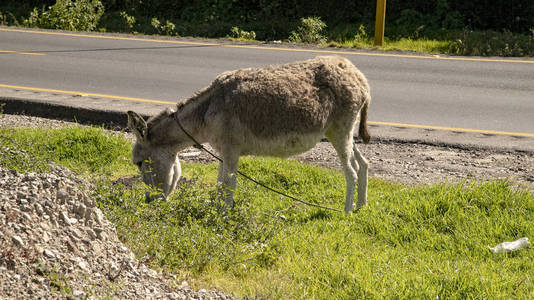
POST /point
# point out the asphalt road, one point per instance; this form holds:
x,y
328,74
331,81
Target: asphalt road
x,y
494,95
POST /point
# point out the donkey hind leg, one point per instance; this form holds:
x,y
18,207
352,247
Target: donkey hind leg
x,y
226,178
362,177
342,142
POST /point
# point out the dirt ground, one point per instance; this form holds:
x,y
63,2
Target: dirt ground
x,y
409,163
414,164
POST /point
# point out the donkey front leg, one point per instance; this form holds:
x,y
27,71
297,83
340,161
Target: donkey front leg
x,y
227,178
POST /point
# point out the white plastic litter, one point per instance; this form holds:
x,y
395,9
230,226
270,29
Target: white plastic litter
x,y
511,246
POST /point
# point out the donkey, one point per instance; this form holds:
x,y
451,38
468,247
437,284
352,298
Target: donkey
x,y
278,110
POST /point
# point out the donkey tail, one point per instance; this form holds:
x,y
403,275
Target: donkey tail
x,y
363,131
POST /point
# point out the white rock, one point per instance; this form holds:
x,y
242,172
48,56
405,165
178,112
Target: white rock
x,y
65,218
78,294
81,263
17,240
48,253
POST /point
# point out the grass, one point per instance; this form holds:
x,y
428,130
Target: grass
x,y
417,242
82,150
403,44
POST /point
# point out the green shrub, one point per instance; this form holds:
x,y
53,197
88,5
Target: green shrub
x,y
310,31
493,43
361,36
240,34
3,19
129,21
168,29
82,15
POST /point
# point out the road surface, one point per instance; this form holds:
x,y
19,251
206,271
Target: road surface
x,y
490,95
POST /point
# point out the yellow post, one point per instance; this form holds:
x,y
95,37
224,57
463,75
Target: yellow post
x,y
380,23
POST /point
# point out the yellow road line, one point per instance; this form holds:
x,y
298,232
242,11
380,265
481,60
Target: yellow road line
x,y
85,94
339,52
19,52
482,131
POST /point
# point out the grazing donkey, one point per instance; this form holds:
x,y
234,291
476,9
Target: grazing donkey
x,y
278,110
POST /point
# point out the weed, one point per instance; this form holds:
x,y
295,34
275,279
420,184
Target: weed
x,y
3,19
310,31
361,36
240,34
82,15
167,29
492,43
129,21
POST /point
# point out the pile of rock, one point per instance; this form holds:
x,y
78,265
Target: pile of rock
x,y
55,243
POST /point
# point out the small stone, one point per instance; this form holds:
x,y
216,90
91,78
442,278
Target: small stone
x,y
17,240
62,196
39,249
82,264
38,209
184,285
27,216
88,214
80,210
91,233
78,294
48,253
72,248
99,216
65,218
76,233
101,235
45,237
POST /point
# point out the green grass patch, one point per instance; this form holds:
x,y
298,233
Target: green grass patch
x,y
81,149
404,44
410,242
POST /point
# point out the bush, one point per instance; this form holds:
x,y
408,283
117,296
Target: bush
x,y
81,15
361,36
241,34
310,31
129,21
493,43
167,29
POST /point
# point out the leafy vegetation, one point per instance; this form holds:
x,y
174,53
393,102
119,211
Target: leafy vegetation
x,y
240,34
82,15
129,21
310,31
410,242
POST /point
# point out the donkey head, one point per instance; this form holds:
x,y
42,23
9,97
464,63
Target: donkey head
x,y
158,163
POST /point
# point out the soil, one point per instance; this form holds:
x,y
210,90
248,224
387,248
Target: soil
x,y
418,163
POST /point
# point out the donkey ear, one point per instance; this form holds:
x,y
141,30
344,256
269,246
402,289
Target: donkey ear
x,y
138,125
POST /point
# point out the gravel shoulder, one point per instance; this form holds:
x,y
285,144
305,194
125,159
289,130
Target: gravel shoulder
x,y
402,162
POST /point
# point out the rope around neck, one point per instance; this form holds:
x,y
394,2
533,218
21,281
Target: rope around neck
x,y
200,146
